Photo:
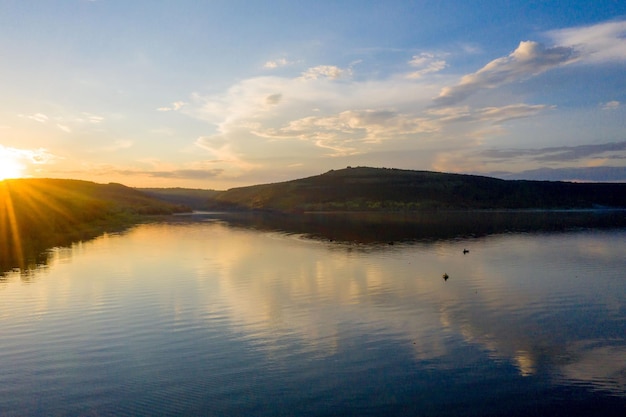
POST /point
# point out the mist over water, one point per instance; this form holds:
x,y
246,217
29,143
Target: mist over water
x,y
217,316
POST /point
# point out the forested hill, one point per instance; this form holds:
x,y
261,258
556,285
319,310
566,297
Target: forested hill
x,y
364,188
190,197
39,213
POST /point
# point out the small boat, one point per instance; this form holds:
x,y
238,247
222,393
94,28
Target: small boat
x,y
465,251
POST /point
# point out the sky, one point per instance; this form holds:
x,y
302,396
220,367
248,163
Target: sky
x,y
217,94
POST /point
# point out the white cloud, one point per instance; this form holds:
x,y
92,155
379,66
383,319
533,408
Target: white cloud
x,y
341,117
426,63
38,156
611,105
603,42
38,117
93,118
64,128
353,117
330,72
346,132
277,63
175,106
513,111
115,146
222,152
528,59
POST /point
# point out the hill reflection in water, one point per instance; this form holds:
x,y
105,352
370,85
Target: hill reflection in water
x,y
376,227
358,227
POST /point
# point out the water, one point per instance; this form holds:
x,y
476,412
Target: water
x,y
206,317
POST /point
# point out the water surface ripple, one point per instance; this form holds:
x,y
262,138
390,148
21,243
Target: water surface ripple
x,y
211,318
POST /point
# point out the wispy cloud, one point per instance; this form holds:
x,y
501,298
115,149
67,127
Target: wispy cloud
x,y
223,153
603,42
38,117
115,146
64,128
189,174
345,133
91,118
330,72
38,156
611,105
175,106
426,63
528,59
577,174
614,150
277,63
339,119
510,112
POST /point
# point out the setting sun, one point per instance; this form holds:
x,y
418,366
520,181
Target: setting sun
x,y
9,167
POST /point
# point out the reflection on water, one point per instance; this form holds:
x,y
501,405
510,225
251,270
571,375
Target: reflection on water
x,y
372,227
200,317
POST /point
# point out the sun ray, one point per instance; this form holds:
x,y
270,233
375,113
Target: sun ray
x,y
30,209
9,228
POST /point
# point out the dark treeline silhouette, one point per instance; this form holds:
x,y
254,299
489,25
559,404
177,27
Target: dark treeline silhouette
x,y
196,199
381,189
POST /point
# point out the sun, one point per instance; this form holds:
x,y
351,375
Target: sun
x,y
10,167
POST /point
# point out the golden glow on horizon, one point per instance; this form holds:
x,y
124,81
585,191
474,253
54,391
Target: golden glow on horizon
x,y
10,167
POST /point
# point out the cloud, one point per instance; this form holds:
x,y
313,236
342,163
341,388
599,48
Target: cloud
x,y
329,72
273,99
613,150
603,42
64,128
611,105
344,133
91,118
529,59
188,174
115,146
338,119
38,156
425,63
175,106
223,153
192,174
578,174
281,62
510,112
446,116
38,117
587,162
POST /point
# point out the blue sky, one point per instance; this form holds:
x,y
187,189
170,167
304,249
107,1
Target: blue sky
x,y
217,94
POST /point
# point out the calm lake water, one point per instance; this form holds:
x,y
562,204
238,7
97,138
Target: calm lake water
x,y
207,316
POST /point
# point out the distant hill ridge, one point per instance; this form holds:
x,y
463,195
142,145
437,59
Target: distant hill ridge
x,y
378,189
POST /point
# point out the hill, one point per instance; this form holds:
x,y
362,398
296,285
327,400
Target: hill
x,y
36,214
382,189
194,198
